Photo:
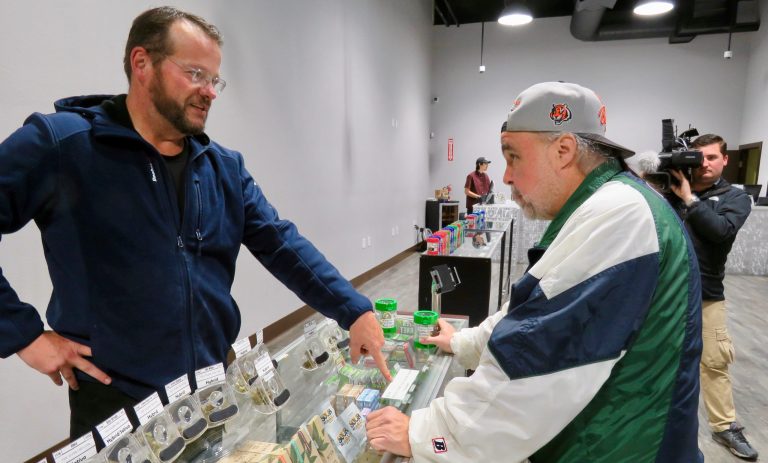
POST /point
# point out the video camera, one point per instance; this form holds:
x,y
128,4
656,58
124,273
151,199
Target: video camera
x,y
676,155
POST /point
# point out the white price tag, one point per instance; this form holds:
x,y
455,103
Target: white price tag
x,y
264,366
177,389
43,461
241,347
209,375
309,328
148,408
259,337
400,385
114,427
77,451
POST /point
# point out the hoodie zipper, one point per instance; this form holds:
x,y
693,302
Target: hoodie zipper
x,y
198,234
177,222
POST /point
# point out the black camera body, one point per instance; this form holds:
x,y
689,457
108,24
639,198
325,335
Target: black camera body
x,y
674,155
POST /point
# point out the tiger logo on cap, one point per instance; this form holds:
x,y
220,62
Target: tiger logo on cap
x,y
560,113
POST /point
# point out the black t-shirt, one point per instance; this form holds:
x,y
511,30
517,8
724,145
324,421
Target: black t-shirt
x,y
176,165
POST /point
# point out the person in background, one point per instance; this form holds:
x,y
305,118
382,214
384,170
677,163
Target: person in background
x,y
595,358
713,212
142,217
478,183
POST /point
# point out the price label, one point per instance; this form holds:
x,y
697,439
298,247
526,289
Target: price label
x,y
77,451
114,427
241,347
309,328
259,337
177,389
148,408
264,366
209,375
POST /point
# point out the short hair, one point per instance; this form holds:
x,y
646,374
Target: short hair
x,y
589,154
709,139
150,30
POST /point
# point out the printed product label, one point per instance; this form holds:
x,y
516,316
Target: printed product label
x,y
114,427
241,347
210,375
264,366
177,389
77,451
148,408
425,331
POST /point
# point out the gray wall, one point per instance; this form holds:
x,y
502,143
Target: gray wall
x,y
754,127
640,81
327,100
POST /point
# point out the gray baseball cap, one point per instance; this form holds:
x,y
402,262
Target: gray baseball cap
x,y
562,107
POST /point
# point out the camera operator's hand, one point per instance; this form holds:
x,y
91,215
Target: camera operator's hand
x,y
683,188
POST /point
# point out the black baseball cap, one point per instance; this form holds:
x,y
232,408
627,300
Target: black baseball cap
x,y
482,160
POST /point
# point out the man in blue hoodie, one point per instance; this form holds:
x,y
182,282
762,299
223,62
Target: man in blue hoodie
x,y
142,217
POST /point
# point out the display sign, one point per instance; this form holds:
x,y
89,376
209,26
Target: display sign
x,y
114,427
450,149
148,408
177,389
210,375
77,451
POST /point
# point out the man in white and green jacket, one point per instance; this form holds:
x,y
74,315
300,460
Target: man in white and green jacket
x,y
595,358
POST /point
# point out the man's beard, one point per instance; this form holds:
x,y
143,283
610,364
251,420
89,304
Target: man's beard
x,y
174,112
530,210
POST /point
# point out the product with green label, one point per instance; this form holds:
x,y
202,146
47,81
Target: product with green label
x,y
386,312
426,326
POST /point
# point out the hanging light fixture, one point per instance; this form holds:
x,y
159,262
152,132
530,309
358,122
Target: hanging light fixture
x,y
653,7
481,69
515,14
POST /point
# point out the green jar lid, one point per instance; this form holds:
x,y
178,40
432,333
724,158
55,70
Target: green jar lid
x,y
386,305
425,317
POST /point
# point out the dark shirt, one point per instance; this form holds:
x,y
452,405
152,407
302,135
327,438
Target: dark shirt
x,y
479,183
176,165
712,224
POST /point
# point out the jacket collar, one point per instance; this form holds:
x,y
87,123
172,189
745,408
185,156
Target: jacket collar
x,y
103,126
592,182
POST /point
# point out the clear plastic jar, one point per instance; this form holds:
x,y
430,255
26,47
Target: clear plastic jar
x,y
426,325
386,312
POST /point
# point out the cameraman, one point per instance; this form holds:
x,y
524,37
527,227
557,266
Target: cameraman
x,y
713,212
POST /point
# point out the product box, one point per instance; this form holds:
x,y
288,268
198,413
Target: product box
x,y
258,452
303,449
323,443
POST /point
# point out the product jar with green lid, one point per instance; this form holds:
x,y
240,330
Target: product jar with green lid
x,y
425,322
386,311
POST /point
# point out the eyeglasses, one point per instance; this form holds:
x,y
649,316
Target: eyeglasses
x,y
199,77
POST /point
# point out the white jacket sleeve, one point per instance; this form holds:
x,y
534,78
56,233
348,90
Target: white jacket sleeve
x,y
467,344
496,416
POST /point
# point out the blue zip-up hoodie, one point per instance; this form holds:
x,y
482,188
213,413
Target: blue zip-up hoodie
x,y
147,291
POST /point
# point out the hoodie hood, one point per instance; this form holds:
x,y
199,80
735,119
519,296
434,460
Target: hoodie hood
x,y
90,107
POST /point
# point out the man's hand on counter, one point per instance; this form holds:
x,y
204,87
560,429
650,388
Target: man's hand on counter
x,y
443,339
57,357
366,338
387,431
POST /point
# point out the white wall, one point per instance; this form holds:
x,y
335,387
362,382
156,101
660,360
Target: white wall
x,y
754,127
640,81
314,89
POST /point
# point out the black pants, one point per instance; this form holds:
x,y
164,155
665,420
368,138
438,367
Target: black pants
x,y
94,403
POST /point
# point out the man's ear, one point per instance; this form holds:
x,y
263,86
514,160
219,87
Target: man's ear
x,y
567,147
141,63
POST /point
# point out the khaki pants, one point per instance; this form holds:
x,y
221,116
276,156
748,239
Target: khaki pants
x,y
717,354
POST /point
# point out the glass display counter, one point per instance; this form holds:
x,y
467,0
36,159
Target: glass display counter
x,y
311,392
483,264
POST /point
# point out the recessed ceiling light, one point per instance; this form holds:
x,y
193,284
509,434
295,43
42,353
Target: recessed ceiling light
x,y
654,7
515,15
